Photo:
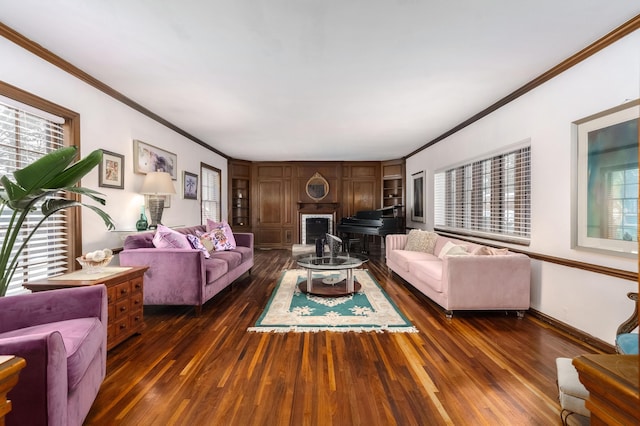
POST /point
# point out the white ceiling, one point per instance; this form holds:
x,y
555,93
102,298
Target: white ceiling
x,y
315,79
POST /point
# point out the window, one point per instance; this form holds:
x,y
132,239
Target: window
x,y
489,198
26,134
210,207
622,203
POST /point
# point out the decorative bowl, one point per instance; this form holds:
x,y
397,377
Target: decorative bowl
x,y
92,266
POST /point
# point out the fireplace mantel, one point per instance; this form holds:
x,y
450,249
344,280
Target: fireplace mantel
x,y
314,207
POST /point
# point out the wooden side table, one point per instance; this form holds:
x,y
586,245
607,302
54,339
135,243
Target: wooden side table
x,y
10,367
612,382
125,285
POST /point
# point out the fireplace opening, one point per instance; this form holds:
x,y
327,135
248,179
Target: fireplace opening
x,y
315,227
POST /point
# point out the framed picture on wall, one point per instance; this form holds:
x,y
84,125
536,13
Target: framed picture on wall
x,y
417,205
148,158
111,170
606,193
189,186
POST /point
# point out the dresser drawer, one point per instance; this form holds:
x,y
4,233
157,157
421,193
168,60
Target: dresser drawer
x,y
136,285
122,326
123,290
122,308
135,301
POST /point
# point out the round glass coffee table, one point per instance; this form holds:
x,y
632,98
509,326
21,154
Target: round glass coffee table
x,y
329,286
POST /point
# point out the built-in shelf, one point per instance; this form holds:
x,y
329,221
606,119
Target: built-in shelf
x,y
393,190
240,196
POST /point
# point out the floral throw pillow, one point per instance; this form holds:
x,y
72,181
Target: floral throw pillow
x,y
219,239
227,236
197,244
168,238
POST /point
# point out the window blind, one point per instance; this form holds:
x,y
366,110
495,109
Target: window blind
x,y
210,190
27,134
488,198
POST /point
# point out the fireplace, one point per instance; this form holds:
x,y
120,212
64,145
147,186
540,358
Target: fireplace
x,y
314,226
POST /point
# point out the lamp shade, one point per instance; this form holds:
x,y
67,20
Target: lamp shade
x,y
157,183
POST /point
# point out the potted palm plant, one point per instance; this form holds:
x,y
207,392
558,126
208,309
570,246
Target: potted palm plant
x,y
37,187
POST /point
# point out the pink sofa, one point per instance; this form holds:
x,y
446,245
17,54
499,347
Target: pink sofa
x,y
184,276
463,282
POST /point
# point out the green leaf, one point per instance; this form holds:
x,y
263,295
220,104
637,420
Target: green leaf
x,y
53,205
37,174
13,191
73,174
94,195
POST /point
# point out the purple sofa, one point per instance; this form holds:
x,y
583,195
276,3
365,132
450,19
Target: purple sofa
x,y
62,335
184,276
463,282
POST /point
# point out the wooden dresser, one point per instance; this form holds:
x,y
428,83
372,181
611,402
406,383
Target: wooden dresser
x,y
125,293
10,367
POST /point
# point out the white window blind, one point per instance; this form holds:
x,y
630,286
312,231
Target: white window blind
x,y
26,135
210,204
489,198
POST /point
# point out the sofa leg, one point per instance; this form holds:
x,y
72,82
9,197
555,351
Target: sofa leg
x,y
198,309
448,314
520,314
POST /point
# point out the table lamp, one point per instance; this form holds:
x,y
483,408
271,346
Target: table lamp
x,y
157,185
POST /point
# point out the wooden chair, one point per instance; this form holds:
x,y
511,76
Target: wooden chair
x,y
626,341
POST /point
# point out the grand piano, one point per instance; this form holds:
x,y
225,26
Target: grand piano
x,y
379,222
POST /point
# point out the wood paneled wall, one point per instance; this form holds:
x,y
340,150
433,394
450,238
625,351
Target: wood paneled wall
x,y
279,196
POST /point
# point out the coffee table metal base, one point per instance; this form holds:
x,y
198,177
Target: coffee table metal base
x,y
327,286
319,288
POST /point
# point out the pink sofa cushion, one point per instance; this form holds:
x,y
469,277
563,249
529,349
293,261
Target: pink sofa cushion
x,y
245,252
215,268
404,257
429,272
82,339
168,238
232,257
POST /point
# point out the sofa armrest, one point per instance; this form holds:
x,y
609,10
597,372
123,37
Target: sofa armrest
x,y
174,275
40,397
26,310
244,239
487,281
394,242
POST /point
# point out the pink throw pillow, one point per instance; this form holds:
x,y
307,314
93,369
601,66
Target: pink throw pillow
x,y
226,238
168,238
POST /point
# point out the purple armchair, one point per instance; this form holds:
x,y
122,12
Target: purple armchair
x,y
62,334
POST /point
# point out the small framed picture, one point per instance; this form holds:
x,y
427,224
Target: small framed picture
x,y
417,209
189,186
111,170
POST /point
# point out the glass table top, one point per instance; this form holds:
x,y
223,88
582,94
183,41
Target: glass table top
x,y
340,261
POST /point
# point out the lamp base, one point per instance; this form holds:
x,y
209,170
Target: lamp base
x,y
156,207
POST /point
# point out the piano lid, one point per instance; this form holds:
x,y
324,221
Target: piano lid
x,y
375,214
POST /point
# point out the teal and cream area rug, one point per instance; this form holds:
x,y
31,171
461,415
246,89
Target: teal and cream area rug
x,y
370,309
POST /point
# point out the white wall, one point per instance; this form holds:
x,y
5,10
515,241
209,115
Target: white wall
x,y
593,303
108,124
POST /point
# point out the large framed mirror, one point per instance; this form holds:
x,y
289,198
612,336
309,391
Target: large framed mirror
x,y
317,187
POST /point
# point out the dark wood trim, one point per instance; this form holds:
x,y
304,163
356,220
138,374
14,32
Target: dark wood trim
x,y
572,332
599,269
57,61
625,29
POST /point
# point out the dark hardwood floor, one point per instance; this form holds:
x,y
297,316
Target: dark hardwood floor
x,y
475,369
